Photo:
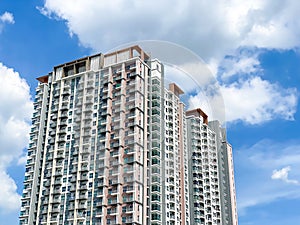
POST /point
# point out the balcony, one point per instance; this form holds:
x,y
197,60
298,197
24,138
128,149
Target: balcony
x,y
80,87
103,105
112,201
100,204
114,181
86,125
24,213
78,103
113,191
84,169
130,159
129,170
52,125
86,134
63,123
102,164
61,139
128,189
47,183
63,115
129,179
129,151
88,117
59,156
66,92
89,101
64,107
117,102
73,188
56,191
131,133
58,173
55,210
61,131
66,87
131,85
28,178
50,141
82,187
83,196
75,152
90,83
131,99
82,206
115,144
127,199
114,162
57,182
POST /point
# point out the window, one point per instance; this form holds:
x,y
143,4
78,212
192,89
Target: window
x,y
155,170
155,197
155,216
155,207
155,188
155,161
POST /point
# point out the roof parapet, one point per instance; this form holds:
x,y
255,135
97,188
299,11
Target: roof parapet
x,y
125,54
43,79
198,113
175,89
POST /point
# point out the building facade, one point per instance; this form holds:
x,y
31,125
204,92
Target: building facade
x,y
226,175
203,168
168,170
109,144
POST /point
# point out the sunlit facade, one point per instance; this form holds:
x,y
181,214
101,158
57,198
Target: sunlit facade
x,y
110,144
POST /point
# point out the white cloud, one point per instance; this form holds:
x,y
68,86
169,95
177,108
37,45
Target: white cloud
x,y
6,17
253,101
22,160
9,198
283,174
256,100
190,77
15,112
240,64
212,29
254,184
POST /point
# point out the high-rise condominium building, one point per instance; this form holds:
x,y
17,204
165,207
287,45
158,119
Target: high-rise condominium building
x,y
226,175
212,191
109,144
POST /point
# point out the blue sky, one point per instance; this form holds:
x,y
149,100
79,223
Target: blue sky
x,y
252,49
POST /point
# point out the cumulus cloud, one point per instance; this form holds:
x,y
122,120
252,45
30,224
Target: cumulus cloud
x,y
283,174
257,100
6,18
243,63
211,28
258,162
15,112
9,198
253,101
